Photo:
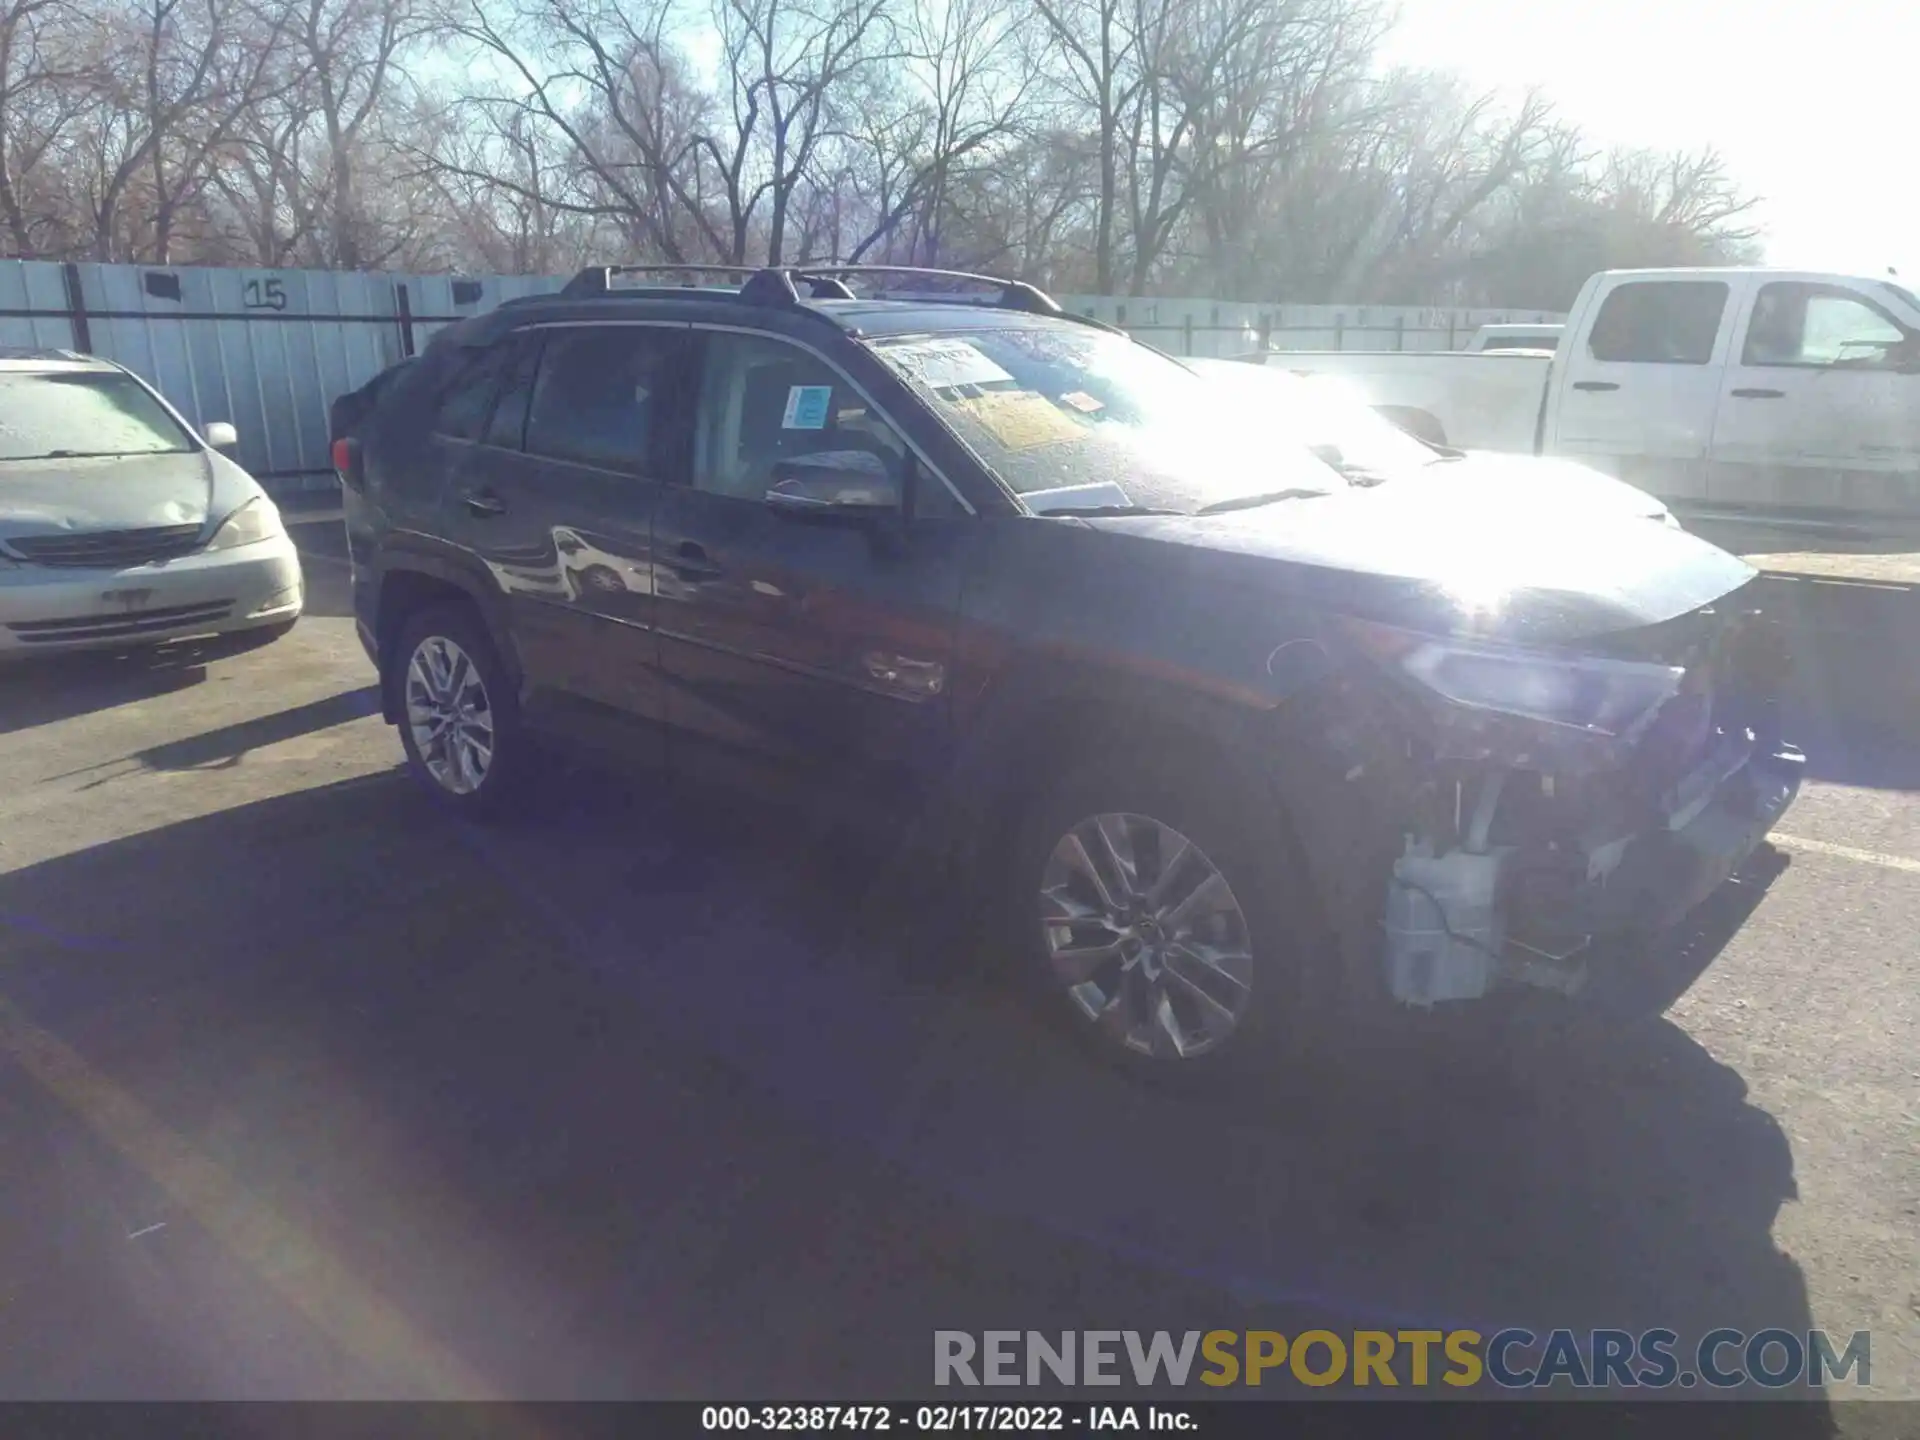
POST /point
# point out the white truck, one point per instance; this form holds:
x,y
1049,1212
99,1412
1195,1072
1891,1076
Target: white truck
x,y
1789,394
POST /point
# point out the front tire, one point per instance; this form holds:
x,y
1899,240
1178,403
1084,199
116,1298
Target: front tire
x,y
459,713
1157,915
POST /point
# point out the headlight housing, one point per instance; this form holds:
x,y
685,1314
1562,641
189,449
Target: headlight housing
x,y
1572,695
257,520
1597,696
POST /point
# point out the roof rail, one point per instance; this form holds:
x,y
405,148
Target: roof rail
x,y
780,284
605,279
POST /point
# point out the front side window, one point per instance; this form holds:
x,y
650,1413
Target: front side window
x,y
1659,322
1073,418
1795,323
763,401
55,416
599,396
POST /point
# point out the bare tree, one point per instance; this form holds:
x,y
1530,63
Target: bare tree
x,y
1247,149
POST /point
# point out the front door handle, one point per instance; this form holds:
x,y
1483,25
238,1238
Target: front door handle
x,y
690,562
1595,385
483,502
1758,394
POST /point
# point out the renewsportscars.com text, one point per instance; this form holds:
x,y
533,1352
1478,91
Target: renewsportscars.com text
x,y
1512,1359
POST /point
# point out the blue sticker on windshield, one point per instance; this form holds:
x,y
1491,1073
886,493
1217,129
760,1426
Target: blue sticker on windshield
x,y
807,407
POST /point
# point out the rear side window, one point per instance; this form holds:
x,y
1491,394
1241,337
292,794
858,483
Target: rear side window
x,y
468,398
1796,323
1666,322
598,394
507,426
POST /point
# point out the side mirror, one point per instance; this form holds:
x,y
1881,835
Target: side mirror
x,y
848,485
221,435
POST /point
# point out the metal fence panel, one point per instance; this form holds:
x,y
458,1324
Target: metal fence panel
x,y
266,350
33,304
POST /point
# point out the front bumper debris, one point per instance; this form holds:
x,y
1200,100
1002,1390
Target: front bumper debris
x,y
1665,874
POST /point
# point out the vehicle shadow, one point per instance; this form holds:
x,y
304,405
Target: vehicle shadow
x,y
638,1058
42,690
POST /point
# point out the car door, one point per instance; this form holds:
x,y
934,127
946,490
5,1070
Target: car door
x,y
806,654
560,506
1821,407
1637,393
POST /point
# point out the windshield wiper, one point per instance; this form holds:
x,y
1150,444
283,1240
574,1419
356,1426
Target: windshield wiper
x,y
1269,497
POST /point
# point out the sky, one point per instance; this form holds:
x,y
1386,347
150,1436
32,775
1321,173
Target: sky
x,y
1815,104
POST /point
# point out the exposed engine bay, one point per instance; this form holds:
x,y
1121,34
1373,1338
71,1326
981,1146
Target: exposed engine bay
x,y
1487,815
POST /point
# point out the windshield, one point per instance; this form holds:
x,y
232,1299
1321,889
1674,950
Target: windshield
x,y
57,416
1901,293
1324,417
1071,418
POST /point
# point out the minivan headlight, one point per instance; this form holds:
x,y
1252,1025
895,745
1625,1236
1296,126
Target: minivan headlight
x,y
257,520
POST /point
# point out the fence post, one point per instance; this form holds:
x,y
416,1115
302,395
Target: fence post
x,y
77,309
1266,331
1451,317
405,306
1340,331
1186,332
1399,332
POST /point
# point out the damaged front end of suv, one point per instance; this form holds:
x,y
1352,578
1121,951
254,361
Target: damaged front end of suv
x,y
1490,815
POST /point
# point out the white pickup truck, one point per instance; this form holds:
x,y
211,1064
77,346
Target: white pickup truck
x,y
1719,390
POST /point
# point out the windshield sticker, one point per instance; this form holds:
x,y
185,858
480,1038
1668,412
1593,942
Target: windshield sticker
x,y
1083,402
807,407
1076,497
1020,419
943,364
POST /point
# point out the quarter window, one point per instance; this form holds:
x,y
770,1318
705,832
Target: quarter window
x,y
1666,322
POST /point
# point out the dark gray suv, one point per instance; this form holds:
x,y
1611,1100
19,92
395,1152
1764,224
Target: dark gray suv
x,y
1236,744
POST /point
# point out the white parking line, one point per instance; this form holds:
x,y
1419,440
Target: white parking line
x,y
1848,852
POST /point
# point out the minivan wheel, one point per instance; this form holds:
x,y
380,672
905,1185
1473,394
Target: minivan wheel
x,y
1155,919
459,716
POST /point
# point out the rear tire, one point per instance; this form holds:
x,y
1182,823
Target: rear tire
x,y
459,714
1156,914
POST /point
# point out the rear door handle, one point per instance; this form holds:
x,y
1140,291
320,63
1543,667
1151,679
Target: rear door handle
x,y
1758,394
1595,385
690,562
483,502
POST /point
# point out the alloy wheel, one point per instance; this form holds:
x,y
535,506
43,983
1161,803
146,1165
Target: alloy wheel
x,y
449,715
1145,935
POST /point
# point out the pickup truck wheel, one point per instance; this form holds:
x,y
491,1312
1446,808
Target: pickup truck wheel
x,y
1152,919
459,715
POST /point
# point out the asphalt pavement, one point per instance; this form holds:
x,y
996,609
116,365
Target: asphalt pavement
x,y
306,1091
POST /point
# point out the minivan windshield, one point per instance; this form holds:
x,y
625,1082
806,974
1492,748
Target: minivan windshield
x,y
77,414
1074,418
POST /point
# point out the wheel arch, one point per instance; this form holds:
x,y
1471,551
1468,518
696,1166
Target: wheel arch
x,y
1037,723
411,581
